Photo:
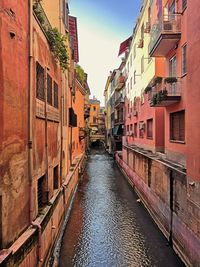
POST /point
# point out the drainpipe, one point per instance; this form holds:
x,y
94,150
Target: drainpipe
x,y
61,104
46,122
38,226
30,96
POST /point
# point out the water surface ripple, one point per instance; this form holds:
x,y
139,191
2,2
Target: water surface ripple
x,y
108,227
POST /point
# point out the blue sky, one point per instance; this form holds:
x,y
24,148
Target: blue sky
x,y
102,26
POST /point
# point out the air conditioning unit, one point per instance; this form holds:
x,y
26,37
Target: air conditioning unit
x,y
167,26
147,27
140,43
135,113
141,126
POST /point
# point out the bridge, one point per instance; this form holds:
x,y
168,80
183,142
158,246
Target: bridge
x,y
97,138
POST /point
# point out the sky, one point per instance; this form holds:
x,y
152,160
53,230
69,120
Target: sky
x,y
102,26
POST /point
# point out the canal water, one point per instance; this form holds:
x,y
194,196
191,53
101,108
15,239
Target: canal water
x,y
108,227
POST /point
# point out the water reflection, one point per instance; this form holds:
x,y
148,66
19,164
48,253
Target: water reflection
x,y
108,227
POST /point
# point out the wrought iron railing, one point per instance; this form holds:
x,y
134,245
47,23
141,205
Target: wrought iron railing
x,y
167,24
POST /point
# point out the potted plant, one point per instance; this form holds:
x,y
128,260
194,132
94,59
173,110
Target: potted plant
x,y
147,89
156,80
170,80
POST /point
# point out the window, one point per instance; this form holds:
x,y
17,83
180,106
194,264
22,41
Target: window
x,y
142,64
131,127
65,13
131,83
141,129
184,59
41,194
49,89
94,119
40,82
184,4
135,77
127,128
149,17
142,31
142,97
150,128
134,54
128,87
94,108
55,178
135,129
131,60
172,67
177,126
55,95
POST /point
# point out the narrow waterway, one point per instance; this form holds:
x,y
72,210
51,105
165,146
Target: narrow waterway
x,y
108,227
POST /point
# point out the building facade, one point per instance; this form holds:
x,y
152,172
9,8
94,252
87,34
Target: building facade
x,y
161,109
42,148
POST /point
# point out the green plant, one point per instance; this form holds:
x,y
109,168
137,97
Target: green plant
x,y
58,46
170,80
156,80
38,12
159,96
80,74
147,89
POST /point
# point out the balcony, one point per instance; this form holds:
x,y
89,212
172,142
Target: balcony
x,y
164,35
165,94
119,102
120,82
86,112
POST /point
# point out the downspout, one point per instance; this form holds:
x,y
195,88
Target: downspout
x,y
46,122
30,97
38,226
61,105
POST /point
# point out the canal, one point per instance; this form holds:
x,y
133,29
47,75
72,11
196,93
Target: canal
x,y
108,226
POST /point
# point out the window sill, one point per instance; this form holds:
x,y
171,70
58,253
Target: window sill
x,y
177,141
150,138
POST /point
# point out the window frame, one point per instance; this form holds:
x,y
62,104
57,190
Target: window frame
x,y
150,122
181,128
184,59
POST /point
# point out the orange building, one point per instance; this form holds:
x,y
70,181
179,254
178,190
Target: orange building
x,y
38,174
94,113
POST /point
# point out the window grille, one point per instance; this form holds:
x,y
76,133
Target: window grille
x,y
49,89
55,95
40,192
55,178
184,59
40,82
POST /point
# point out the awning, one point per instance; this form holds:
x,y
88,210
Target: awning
x,y
125,45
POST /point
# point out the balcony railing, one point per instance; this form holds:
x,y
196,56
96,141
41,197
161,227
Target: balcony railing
x,y
119,120
164,35
165,94
120,82
119,101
